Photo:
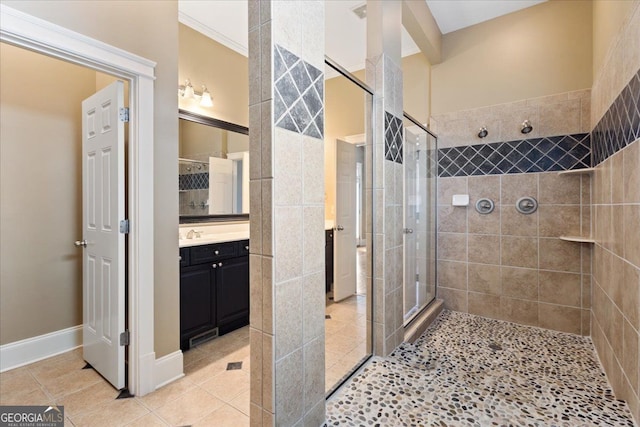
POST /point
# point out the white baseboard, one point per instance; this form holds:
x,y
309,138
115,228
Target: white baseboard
x,y
20,353
168,368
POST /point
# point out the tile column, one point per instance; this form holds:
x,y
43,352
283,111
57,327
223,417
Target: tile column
x,y
384,75
286,128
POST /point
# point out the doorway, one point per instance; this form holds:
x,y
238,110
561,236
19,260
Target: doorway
x,y
24,31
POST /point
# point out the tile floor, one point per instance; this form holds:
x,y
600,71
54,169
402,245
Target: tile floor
x,y
467,370
208,395
345,330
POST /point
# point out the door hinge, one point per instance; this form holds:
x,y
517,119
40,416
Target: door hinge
x,y
417,277
124,338
124,226
124,114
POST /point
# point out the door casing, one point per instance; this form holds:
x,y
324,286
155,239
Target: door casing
x,y
29,32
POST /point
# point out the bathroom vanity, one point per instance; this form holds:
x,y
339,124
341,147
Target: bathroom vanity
x,y
214,285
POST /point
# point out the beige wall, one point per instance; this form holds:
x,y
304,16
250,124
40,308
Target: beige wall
x,y
542,50
416,90
148,29
224,72
608,17
40,185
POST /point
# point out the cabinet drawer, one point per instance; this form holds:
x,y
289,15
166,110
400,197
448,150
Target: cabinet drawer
x,y
215,252
243,247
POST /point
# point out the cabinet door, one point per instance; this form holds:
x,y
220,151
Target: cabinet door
x,y
197,302
232,289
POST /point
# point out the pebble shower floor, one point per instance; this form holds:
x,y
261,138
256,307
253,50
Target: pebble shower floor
x,y
467,370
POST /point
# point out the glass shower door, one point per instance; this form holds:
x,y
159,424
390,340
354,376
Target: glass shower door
x,y
419,218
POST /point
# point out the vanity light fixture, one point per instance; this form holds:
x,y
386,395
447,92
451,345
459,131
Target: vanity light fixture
x,y
205,100
186,91
483,132
526,127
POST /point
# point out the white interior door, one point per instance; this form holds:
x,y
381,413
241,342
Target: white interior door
x,y
344,260
103,254
220,185
411,211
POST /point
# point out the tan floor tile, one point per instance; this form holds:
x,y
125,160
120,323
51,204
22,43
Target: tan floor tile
x,y
56,366
28,397
71,382
17,379
339,344
242,403
116,413
149,420
166,394
86,400
192,355
226,416
333,326
227,385
189,407
205,369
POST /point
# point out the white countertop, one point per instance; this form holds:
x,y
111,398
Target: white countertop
x,y
213,233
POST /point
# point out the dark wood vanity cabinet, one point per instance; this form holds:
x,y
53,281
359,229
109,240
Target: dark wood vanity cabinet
x,y
214,290
328,259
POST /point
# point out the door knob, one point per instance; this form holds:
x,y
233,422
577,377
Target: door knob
x,y
80,243
407,230
339,228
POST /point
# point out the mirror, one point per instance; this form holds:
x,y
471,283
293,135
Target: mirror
x,y
213,169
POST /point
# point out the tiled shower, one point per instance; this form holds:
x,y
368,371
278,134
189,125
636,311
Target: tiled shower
x,y
581,163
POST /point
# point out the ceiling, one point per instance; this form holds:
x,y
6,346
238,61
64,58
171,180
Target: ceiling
x,y
345,33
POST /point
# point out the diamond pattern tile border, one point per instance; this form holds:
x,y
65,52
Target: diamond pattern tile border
x,y
553,153
620,126
393,138
298,94
193,181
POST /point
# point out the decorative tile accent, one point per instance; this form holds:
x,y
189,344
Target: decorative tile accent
x,y
468,370
620,125
553,153
232,366
194,181
393,138
298,95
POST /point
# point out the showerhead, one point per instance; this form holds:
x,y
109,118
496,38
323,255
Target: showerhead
x,y
483,132
526,127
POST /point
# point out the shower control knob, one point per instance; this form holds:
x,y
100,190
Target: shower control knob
x,y
526,205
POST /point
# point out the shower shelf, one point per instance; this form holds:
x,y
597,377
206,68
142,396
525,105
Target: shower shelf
x,y
577,171
578,239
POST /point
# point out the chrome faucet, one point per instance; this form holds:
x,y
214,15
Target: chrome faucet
x,y
192,233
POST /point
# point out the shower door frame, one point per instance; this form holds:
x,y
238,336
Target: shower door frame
x,y
369,176
426,306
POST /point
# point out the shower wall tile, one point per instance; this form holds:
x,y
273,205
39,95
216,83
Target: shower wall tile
x,y
560,114
486,305
519,283
287,203
560,318
515,261
519,311
554,153
615,284
485,279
